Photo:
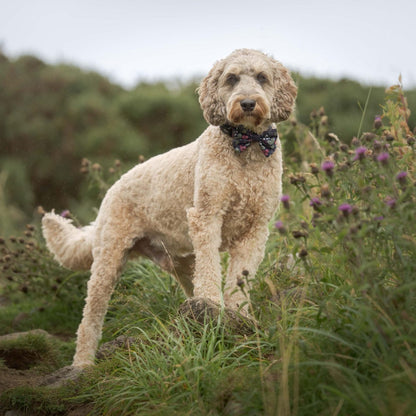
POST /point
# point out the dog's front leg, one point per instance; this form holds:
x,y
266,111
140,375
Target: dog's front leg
x,y
246,255
205,233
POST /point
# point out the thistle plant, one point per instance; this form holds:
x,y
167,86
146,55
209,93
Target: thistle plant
x,y
351,229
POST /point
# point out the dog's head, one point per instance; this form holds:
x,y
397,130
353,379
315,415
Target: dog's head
x,y
248,88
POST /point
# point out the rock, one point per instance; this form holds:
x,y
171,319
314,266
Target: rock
x,y
16,335
201,310
108,348
62,376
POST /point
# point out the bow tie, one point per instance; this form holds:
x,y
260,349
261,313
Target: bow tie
x,y
243,137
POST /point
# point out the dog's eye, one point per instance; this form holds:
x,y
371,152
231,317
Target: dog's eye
x,y
262,79
232,79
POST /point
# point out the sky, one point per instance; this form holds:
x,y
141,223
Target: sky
x,y
130,41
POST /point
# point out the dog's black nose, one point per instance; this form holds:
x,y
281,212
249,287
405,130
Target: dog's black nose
x,y
248,104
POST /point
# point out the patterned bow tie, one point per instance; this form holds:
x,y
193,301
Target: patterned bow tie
x,y
243,137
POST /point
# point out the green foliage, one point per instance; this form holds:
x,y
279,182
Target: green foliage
x,y
166,117
39,292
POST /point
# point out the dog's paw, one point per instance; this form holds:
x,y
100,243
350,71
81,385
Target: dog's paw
x,y
202,310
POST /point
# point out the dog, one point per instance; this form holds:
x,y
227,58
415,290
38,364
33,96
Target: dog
x,y
183,208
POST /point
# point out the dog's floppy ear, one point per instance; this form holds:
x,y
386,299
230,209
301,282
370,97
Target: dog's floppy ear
x,y
285,92
212,105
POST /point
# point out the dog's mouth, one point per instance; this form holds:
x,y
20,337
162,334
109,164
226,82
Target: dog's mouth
x,y
248,111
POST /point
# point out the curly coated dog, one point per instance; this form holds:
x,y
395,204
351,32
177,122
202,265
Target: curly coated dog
x,y
182,208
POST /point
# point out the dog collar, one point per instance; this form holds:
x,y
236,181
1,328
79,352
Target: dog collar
x,y
243,137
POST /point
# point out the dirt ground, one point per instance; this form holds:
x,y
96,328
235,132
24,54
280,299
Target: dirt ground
x,y
15,373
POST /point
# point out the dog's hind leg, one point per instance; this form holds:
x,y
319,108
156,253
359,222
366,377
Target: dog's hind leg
x,y
109,257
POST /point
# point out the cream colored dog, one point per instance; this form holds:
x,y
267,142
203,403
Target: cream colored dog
x,y
184,207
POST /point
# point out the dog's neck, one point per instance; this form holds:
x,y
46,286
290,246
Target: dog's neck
x,y
244,137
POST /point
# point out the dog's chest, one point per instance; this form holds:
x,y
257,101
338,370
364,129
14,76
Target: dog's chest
x,y
253,197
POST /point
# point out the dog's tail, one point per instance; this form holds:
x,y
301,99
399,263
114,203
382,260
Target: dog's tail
x,y
71,246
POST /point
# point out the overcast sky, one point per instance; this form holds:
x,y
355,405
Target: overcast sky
x,y
371,41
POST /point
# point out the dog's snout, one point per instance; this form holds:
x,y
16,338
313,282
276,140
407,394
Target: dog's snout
x,y
248,104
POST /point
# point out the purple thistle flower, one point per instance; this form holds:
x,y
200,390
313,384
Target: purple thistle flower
x,y
285,199
389,201
280,227
346,209
328,167
379,218
377,122
315,203
401,177
360,153
65,213
383,157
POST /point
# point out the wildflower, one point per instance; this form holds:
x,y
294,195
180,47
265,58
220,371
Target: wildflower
x,y
383,158
296,179
96,167
355,142
346,209
344,147
410,140
280,227
325,191
377,145
377,122
378,218
328,167
389,201
401,177
368,137
303,253
65,213
315,203
360,153
299,233
304,225
314,168
285,201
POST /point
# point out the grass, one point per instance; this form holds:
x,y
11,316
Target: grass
x,y
334,300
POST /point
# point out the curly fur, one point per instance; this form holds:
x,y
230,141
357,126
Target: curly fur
x,y
182,208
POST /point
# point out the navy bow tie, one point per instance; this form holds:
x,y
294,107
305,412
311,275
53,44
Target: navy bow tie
x,y
243,137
